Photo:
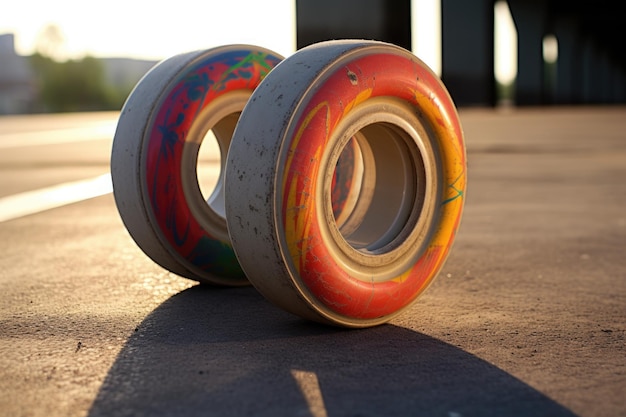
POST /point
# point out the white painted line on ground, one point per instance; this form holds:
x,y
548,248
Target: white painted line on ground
x,y
100,131
310,388
31,202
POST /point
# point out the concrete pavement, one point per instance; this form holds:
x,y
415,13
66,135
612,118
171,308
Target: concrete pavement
x,y
527,318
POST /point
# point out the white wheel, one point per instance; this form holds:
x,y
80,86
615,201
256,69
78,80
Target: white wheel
x,y
154,159
358,257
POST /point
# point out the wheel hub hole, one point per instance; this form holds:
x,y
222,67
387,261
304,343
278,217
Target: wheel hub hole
x,y
208,170
378,188
211,162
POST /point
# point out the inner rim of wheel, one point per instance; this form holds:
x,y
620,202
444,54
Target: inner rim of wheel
x,y
392,188
217,121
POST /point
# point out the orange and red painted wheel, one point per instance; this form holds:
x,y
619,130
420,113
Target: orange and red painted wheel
x,y
155,157
359,257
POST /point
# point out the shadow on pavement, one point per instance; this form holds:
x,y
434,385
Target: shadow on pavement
x,y
228,352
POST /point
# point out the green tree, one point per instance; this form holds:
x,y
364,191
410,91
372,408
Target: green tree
x,y
74,85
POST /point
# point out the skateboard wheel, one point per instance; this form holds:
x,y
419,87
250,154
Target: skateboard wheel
x,y
154,159
346,178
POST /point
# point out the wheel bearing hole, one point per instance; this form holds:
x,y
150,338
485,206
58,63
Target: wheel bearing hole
x,y
213,150
209,159
378,188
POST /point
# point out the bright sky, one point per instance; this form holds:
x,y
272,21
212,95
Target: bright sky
x,y
151,29
155,29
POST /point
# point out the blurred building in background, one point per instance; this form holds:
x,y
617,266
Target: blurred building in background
x,y
22,88
18,90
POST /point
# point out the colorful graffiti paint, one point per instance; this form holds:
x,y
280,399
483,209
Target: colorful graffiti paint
x,y
375,75
203,82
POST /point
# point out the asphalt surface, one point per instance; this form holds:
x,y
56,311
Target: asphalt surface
x,y
527,317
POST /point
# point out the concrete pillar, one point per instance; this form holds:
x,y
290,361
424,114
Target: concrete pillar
x,y
587,59
530,17
569,71
597,83
320,20
604,61
467,51
619,86
604,77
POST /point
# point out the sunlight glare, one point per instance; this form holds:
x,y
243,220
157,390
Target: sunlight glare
x,y
310,388
550,49
426,32
505,65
